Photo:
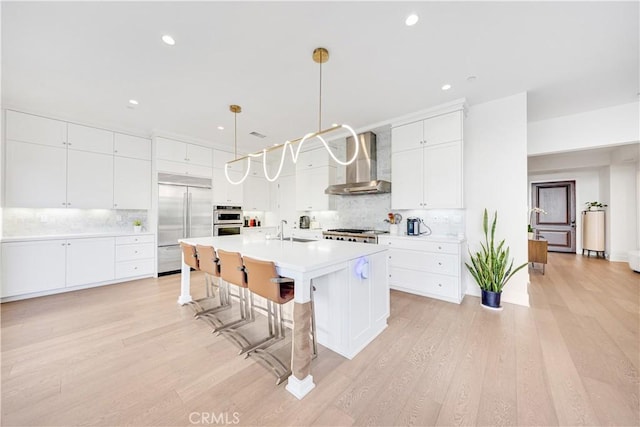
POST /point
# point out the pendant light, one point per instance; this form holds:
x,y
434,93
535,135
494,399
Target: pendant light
x,y
320,56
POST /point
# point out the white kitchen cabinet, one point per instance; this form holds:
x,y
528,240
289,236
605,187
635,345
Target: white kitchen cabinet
x,y
29,267
183,168
425,267
283,198
37,267
134,256
131,183
426,163
90,260
35,129
131,146
225,193
256,189
310,186
89,180
434,130
220,158
318,157
35,175
177,151
91,139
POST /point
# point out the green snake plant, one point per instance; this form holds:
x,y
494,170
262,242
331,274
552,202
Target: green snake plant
x,y
489,265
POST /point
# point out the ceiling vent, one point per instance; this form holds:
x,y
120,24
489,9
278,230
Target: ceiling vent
x,y
257,134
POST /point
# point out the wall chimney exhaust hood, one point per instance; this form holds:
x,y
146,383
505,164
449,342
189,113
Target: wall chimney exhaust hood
x,y
362,173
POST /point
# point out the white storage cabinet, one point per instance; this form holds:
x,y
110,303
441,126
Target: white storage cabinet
x,y
183,158
225,193
426,163
314,173
54,164
39,267
134,256
425,267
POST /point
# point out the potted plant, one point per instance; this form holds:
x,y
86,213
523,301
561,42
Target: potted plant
x,y
137,226
530,229
594,206
491,267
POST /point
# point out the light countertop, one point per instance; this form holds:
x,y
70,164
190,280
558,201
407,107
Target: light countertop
x,y
431,238
301,256
70,236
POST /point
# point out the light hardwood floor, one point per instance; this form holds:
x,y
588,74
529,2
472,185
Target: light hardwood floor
x,y
129,355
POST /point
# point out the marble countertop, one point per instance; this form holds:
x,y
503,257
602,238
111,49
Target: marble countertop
x,y
301,256
431,238
70,236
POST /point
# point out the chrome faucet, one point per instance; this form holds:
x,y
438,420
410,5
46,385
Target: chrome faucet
x,y
282,223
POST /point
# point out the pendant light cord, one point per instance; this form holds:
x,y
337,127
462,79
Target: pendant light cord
x,y
320,99
235,134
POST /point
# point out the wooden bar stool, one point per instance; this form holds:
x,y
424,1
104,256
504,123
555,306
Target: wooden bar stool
x,y
210,265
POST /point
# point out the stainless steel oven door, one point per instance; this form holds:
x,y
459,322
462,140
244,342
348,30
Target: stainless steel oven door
x,y
227,216
227,229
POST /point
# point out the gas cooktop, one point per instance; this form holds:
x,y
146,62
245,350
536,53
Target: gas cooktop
x,y
356,231
353,235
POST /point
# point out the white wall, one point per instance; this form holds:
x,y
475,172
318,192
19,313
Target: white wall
x,y
622,211
606,126
605,197
495,177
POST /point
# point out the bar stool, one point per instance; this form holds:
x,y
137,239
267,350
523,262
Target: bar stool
x,y
263,280
232,273
210,265
190,256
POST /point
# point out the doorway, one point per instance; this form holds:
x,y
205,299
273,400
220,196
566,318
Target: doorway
x,y
558,225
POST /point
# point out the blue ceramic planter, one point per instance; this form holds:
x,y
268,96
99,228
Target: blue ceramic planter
x,y
491,299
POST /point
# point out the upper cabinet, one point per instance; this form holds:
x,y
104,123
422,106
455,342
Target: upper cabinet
x,y
55,164
426,163
35,129
131,146
86,138
183,158
314,173
225,193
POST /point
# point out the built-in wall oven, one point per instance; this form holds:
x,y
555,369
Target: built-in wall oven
x,y
227,220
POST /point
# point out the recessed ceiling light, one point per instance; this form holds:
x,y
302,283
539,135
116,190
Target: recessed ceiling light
x,y
411,20
220,127
133,102
168,40
446,86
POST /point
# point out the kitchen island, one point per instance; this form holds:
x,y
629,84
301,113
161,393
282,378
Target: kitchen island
x,y
351,293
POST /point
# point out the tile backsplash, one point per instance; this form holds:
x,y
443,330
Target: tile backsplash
x,y
38,222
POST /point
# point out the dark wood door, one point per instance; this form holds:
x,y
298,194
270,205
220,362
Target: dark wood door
x,y
558,225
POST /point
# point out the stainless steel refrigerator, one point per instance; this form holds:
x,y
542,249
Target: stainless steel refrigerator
x,y
184,210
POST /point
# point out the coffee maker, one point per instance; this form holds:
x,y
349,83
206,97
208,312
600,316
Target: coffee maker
x,y
304,221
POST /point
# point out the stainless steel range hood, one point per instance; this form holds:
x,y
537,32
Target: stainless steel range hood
x,y
362,173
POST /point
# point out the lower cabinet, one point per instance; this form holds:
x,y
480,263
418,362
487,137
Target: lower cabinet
x,y
38,267
134,256
89,261
425,267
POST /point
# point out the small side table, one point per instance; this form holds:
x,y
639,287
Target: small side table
x,y
538,253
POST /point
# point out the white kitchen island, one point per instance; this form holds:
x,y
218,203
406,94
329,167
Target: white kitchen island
x,y
351,296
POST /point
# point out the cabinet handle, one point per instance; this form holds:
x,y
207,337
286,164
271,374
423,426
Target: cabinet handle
x,y
439,247
115,151
439,263
68,143
135,268
69,204
115,205
63,244
64,204
440,284
135,252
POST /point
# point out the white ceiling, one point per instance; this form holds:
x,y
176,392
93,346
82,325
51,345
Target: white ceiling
x,y
84,61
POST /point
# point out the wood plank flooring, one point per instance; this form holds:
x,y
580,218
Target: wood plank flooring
x,y
127,354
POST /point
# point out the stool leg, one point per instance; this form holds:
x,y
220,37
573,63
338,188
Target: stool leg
x,y
313,325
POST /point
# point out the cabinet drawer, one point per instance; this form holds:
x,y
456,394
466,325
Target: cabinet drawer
x,y
131,252
424,261
134,268
426,284
419,244
133,239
